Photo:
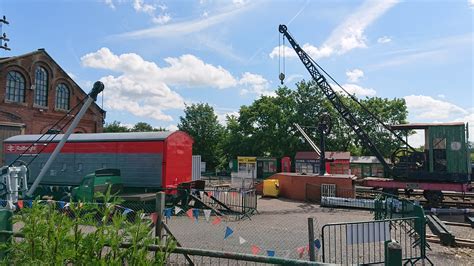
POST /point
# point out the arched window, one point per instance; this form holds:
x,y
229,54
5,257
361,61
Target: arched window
x,y
15,87
62,97
41,87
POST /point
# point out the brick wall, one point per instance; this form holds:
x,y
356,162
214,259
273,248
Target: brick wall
x,y
37,119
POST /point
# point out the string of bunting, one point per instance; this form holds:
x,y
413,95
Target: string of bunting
x,y
193,214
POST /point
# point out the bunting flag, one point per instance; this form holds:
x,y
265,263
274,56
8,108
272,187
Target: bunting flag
x,y
271,253
317,243
207,214
228,232
201,194
20,204
168,212
196,213
189,213
242,240
216,221
154,217
126,211
233,194
209,193
81,204
67,205
255,250
108,204
29,203
61,204
177,210
300,251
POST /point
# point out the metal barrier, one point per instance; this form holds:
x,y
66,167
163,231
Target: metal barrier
x,y
242,203
364,242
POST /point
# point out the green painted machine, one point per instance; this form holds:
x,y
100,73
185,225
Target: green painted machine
x,y
99,181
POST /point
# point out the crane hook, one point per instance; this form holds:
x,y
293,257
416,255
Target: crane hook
x,y
282,78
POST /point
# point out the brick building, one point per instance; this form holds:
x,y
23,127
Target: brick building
x,y
35,93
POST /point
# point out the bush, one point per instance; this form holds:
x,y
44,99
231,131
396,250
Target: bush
x,y
82,234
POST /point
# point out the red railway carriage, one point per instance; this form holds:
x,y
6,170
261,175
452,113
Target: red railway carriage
x,y
148,160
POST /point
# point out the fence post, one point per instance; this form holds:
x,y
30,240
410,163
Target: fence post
x,y
5,225
393,254
311,239
160,207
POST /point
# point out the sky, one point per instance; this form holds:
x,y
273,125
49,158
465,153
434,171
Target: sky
x,y
157,56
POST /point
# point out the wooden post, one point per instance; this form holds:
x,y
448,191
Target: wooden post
x,y
160,207
312,257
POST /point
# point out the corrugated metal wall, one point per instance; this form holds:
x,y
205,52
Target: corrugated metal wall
x,y
196,167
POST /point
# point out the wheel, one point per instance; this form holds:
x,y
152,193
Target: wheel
x,y
434,197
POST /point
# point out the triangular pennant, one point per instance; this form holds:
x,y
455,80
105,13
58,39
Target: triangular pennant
x,y
196,213
61,204
189,213
317,243
168,212
177,210
201,194
81,204
126,211
300,251
209,193
207,214
216,221
242,240
67,205
228,232
20,204
255,250
271,253
154,217
29,203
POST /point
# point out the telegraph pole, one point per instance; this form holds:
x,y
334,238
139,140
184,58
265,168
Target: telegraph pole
x,y
3,36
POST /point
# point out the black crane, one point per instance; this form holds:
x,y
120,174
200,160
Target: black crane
x,y
405,154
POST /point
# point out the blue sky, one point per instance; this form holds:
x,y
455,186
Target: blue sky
x,y
155,56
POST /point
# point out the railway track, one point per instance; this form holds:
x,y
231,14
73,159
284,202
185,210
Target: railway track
x,y
451,199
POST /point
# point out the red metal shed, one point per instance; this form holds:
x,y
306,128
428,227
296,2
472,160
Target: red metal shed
x,y
145,159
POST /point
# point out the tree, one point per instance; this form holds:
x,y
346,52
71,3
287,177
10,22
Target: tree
x,y
145,127
115,126
201,123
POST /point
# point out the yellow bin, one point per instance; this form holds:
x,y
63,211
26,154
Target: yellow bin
x,y
271,188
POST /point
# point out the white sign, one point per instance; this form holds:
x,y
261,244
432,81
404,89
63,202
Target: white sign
x,y
367,232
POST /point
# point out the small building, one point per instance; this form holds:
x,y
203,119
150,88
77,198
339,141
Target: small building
x,y
266,167
339,162
366,166
336,162
148,160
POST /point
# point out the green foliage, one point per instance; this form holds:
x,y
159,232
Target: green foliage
x,y
116,126
201,123
86,234
266,127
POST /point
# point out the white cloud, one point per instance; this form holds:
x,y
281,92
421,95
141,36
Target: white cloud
x,y
109,3
313,51
240,2
354,75
470,3
172,128
162,19
427,108
355,89
255,84
185,27
141,6
222,117
143,88
384,39
350,33
442,96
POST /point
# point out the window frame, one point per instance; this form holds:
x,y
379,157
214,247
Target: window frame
x,y
41,86
60,99
17,84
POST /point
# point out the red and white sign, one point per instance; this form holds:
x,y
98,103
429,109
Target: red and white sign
x,y
21,148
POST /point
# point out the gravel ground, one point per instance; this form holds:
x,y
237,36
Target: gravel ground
x,y
281,226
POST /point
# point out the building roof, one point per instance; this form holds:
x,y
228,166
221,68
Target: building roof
x,y
124,136
43,51
424,125
364,159
312,155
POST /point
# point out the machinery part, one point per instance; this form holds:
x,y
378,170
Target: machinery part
x,y
92,96
325,123
434,197
391,191
308,139
441,230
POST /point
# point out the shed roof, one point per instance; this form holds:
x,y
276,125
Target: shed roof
x,y
125,136
424,125
311,155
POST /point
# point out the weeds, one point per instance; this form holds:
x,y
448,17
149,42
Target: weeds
x,y
83,234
